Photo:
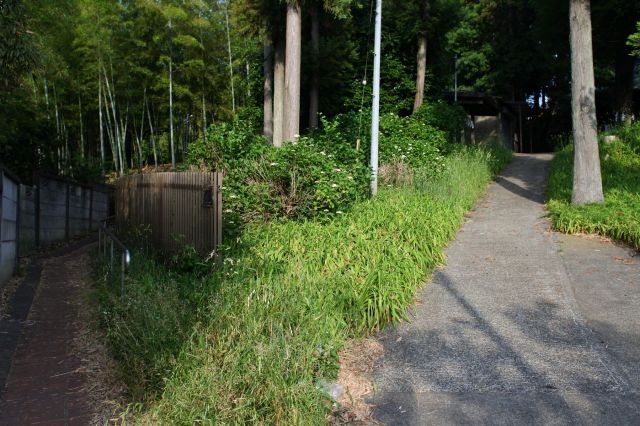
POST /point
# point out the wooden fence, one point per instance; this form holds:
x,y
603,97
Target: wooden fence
x,y
179,208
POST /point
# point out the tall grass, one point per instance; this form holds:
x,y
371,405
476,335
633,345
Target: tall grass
x,y
272,319
619,216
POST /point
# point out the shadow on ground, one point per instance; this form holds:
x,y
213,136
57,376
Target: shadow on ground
x,y
473,374
531,189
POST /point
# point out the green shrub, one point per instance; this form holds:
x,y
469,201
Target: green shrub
x,y
451,119
630,135
410,141
326,171
300,180
225,144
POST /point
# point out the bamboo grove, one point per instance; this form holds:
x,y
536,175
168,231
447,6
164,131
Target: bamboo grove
x,y
98,87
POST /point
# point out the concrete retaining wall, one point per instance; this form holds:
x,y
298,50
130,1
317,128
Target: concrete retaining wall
x,y
9,193
67,209
27,231
50,211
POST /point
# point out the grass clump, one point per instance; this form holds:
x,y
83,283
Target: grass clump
x,y
147,329
619,216
267,325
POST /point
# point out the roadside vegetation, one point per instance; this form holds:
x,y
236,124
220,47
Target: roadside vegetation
x,y
619,216
252,337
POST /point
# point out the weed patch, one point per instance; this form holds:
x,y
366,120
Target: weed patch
x,y
619,216
256,338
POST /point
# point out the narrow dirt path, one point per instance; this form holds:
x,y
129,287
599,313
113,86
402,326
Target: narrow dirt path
x,y
48,379
511,331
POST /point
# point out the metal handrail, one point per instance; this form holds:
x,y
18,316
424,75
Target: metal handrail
x,y
104,234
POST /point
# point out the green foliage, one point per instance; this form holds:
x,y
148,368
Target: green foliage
x,y
619,216
269,322
396,89
452,119
147,332
18,52
411,141
225,144
324,173
474,52
630,135
318,175
54,54
634,41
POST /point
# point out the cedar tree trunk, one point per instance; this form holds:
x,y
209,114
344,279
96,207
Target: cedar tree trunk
x,y
587,181
421,59
278,92
292,72
267,128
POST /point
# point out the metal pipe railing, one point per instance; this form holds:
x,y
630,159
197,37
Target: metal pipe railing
x,y
107,241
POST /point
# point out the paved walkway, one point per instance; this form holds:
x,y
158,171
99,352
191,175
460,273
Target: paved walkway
x,y
45,383
523,326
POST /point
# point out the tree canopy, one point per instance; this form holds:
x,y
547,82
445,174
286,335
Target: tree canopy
x,y
103,85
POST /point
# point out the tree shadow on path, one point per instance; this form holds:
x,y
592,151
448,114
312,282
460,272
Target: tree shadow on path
x,y
534,365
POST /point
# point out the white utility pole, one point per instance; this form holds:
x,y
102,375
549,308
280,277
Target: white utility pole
x,y
375,108
455,78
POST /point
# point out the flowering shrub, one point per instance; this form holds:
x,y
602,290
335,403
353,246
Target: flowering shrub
x,y
410,141
319,175
322,174
295,181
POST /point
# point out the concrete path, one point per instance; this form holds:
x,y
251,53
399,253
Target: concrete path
x,y
523,326
46,382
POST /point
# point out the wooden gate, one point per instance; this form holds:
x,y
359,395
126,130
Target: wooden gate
x,y
179,208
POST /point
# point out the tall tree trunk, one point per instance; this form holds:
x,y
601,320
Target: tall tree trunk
x,y
139,140
110,134
587,181
421,59
248,80
101,126
204,117
421,71
58,138
314,90
117,134
292,72
123,142
121,130
173,151
233,92
278,92
81,127
46,98
267,127
153,139
55,105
